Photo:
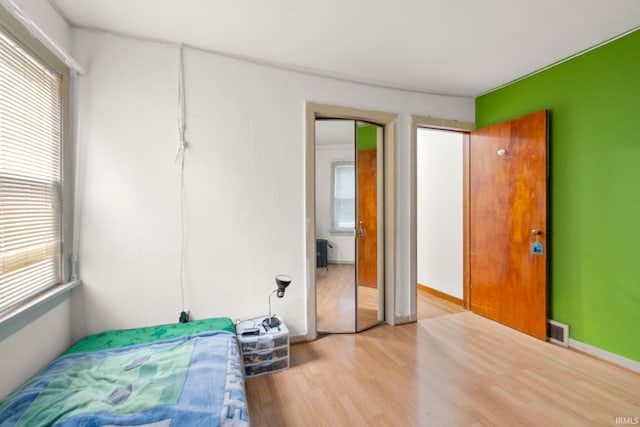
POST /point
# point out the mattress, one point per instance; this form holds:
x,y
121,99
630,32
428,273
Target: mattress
x,y
126,337
160,376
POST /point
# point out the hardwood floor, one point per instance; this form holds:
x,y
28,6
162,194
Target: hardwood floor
x,y
430,306
452,368
335,300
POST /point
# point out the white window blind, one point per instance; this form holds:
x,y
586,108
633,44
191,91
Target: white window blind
x,y
30,175
344,196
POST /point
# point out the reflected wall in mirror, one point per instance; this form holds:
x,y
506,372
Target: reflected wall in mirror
x,y
335,222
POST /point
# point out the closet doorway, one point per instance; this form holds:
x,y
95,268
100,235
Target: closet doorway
x,y
349,226
440,207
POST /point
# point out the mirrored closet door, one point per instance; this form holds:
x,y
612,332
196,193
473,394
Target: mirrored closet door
x,y
349,225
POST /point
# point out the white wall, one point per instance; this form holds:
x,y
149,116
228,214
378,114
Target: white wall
x,y
335,141
439,210
245,188
25,352
47,19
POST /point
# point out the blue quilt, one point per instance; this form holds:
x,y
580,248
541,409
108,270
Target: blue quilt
x,y
190,381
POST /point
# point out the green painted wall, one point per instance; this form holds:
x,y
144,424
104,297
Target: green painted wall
x,y
367,137
594,104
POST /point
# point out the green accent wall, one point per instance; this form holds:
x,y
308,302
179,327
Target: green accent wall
x,y
594,105
367,137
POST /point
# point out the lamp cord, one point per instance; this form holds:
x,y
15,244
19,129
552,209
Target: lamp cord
x,y
275,290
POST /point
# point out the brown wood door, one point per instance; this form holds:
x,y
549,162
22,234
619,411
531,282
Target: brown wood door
x,y
508,201
367,217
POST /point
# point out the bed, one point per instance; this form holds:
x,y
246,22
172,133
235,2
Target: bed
x,y
185,374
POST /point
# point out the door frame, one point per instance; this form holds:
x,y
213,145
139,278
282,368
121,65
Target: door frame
x,y
389,122
449,125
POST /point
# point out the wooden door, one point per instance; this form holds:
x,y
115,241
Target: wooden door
x,y
367,208
508,214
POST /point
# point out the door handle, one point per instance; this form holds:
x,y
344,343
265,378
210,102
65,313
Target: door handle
x,y
360,230
536,232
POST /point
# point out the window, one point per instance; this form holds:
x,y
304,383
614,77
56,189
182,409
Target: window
x,y
343,196
30,175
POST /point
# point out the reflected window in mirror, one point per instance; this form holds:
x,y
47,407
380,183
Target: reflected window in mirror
x,y
343,196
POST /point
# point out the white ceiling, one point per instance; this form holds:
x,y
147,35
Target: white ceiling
x,y
458,47
335,132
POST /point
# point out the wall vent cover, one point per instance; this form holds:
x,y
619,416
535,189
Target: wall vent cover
x,y
558,333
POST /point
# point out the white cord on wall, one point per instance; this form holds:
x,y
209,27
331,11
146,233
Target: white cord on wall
x,y
180,158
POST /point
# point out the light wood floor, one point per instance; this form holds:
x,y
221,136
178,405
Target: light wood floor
x,y
335,300
430,306
452,368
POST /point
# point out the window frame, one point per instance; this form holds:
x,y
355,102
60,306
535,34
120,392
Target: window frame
x,y
12,28
334,166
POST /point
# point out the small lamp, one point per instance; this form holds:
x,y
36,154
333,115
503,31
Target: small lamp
x,y
282,281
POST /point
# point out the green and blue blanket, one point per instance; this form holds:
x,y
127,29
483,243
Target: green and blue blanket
x,y
193,378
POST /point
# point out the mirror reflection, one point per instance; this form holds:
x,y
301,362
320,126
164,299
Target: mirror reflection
x,y
349,295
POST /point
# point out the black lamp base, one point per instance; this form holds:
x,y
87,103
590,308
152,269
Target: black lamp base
x,y
271,322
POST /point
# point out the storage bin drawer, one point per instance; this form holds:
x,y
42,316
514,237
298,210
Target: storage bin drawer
x,y
280,341
264,355
264,342
259,343
266,367
264,352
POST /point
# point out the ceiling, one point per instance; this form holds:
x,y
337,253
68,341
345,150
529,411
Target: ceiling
x,y
335,132
455,47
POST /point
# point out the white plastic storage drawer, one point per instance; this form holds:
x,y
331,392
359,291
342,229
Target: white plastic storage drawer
x,y
263,350
275,337
262,342
260,356
266,367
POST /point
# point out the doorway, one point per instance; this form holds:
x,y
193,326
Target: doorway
x,y
349,183
316,111
439,211
504,220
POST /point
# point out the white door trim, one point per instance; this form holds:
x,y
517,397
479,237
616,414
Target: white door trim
x,y
433,123
389,121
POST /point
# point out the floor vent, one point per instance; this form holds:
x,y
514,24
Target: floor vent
x,y
558,333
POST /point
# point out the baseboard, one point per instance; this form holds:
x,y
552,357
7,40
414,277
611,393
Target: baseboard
x,y
441,295
295,339
401,320
333,261
605,355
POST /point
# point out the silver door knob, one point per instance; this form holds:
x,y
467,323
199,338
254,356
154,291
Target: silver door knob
x,y
536,232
